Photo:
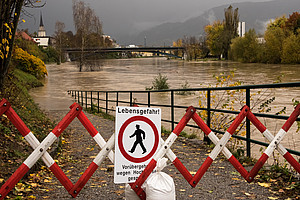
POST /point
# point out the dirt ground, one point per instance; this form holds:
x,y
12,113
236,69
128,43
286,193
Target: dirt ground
x,y
221,181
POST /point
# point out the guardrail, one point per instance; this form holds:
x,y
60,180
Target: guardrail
x,y
108,100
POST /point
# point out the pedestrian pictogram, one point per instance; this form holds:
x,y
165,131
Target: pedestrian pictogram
x,y
137,140
139,137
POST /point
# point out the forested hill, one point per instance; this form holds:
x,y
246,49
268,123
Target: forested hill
x,y
256,15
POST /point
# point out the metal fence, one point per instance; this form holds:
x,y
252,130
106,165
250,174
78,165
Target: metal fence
x,y
106,101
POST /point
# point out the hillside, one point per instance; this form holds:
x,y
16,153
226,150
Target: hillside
x,y
256,15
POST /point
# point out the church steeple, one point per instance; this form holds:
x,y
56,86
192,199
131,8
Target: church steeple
x,y
41,19
41,31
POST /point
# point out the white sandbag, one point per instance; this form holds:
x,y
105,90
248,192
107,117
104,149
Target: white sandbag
x,y
160,185
130,193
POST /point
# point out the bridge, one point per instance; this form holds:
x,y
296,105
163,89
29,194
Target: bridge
x,y
168,51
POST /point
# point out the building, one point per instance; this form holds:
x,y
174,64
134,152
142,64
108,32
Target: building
x,y
42,39
241,29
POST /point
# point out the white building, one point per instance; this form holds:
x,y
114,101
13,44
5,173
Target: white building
x,y
241,29
42,39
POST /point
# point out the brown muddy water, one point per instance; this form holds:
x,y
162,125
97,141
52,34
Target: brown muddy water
x,y
137,74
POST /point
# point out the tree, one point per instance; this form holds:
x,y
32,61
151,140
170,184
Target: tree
x,y
245,49
231,22
9,18
213,38
59,29
293,22
274,37
291,49
87,26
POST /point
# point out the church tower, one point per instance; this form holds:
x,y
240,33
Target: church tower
x,y
41,31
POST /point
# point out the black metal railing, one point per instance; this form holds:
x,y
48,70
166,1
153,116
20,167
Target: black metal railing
x,y
108,100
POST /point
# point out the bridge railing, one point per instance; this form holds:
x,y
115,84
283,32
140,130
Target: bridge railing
x,y
107,101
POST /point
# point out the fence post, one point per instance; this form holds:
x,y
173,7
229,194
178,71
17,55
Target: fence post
x,y
208,120
98,101
149,103
106,102
81,98
248,131
86,103
92,101
117,99
172,109
130,99
75,96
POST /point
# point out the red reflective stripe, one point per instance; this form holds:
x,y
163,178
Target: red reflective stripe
x,y
83,179
201,171
17,122
4,105
201,124
289,122
292,161
64,123
184,120
258,165
181,168
142,196
143,176
13,180
61,176
238,120
238,166
256,122
87,124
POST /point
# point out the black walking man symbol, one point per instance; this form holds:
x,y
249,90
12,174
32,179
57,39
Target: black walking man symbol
x,y
138,133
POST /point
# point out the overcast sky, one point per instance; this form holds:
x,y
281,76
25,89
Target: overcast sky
x,y
122,16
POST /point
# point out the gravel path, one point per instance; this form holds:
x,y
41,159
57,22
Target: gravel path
x,y
221,181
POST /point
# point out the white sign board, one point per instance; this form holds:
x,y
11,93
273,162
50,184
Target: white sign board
x,y
137,140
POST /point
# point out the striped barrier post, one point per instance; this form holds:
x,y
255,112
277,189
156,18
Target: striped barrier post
x,y
39,150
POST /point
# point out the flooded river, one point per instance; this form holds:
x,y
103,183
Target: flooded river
x,y
137,74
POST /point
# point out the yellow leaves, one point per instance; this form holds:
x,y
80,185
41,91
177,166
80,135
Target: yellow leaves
x,y
31,197
47,181
272,198
264,184
23,20
30,63
192,173
1,180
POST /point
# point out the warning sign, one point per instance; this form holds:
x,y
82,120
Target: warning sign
x,y
137,140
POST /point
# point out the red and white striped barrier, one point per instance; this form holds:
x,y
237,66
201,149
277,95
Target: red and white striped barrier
x,y
40,149
220,146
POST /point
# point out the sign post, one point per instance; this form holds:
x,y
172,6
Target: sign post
x,y
138,132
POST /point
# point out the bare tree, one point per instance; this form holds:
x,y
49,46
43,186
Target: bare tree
x,y
59,29
86,23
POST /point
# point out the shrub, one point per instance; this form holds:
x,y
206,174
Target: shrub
x,y
159,83
29,63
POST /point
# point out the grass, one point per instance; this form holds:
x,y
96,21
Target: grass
x,y
14,149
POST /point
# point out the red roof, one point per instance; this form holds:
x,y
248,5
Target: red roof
x,y
24,35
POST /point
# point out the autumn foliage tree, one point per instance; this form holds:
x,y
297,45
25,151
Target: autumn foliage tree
x,y
9,18
281,43
220,34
